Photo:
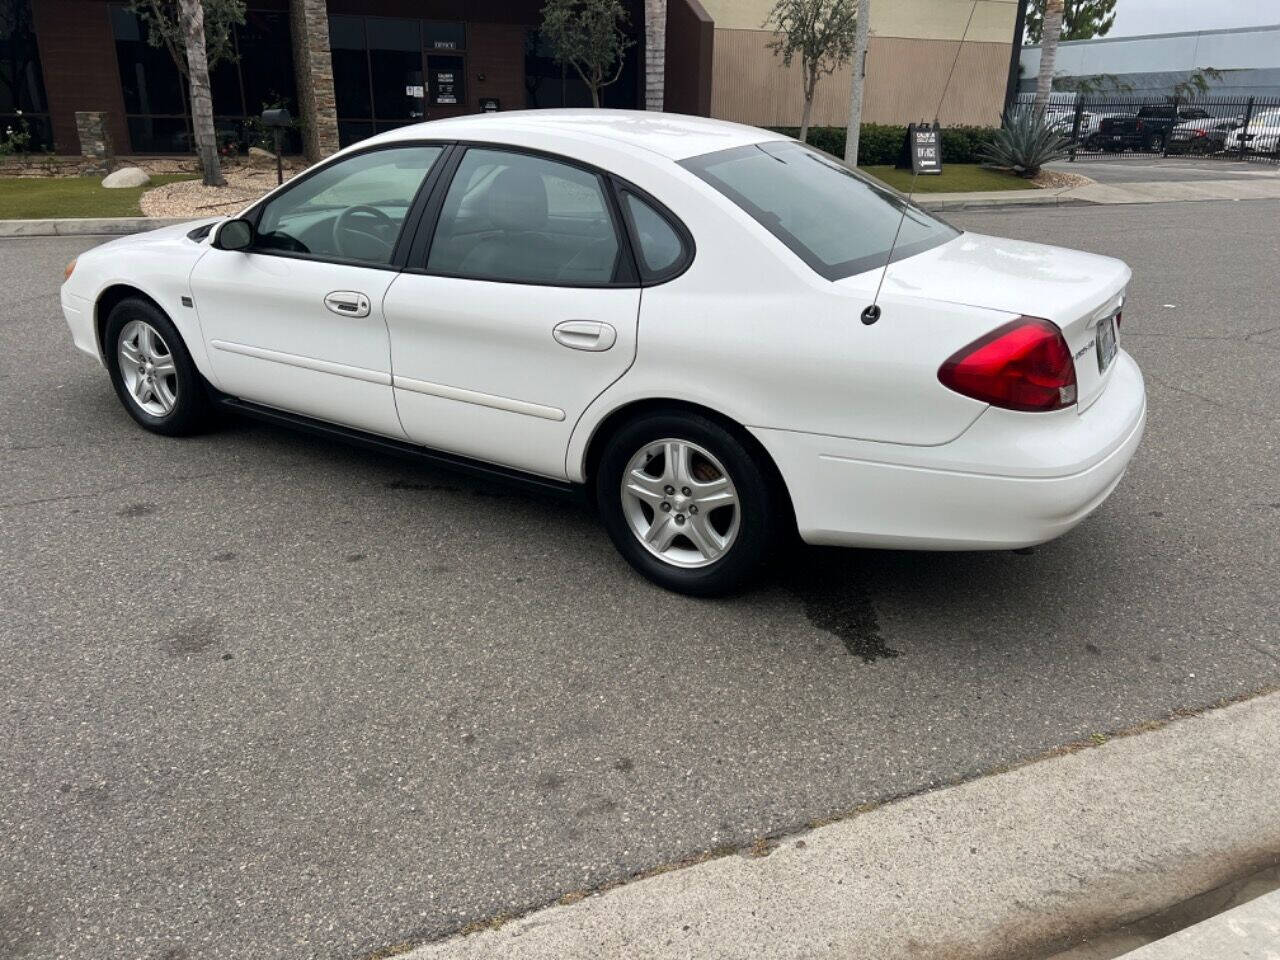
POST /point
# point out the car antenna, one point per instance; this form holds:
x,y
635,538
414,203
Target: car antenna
x,y
872,312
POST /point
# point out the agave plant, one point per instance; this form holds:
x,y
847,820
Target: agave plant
x,y
1025,143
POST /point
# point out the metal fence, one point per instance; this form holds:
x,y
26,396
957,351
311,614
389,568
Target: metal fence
x,y
1224,128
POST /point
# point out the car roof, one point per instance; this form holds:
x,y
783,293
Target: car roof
x,y
676,136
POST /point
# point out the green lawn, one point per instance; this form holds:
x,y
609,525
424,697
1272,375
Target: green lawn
x,y
955,178
23,198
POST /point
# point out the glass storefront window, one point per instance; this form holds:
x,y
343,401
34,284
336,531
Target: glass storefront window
x,y
157,109
378,72
23,107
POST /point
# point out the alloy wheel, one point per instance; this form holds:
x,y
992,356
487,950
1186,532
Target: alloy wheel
x,y
147,368
680,503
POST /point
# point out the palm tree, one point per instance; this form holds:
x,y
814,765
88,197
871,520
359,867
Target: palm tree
x,y
861,38
1049,37
655,53
192,15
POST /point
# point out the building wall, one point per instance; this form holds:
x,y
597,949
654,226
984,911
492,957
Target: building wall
x,y
912,46
78,57
690,44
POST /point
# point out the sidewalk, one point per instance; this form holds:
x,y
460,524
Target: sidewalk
x,y
1163,191
1015,865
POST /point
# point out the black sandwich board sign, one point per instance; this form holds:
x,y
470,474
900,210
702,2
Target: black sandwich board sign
x,y
922,149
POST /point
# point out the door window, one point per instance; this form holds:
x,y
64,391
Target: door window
x,y
349,210
524,219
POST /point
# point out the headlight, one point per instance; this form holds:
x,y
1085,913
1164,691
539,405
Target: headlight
x,y
70,269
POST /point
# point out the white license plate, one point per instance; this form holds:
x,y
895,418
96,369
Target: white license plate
x,y
1106,339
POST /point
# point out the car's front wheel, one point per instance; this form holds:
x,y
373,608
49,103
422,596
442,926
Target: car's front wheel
x,y
151,370
688,503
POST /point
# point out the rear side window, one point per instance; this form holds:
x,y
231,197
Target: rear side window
x,y
659,247
518,218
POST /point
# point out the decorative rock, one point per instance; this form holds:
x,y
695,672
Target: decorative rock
x,y
127,177
259,156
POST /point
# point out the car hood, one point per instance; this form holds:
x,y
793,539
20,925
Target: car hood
x,y
161,236
1032,279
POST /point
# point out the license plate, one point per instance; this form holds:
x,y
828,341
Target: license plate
x,y
1106,339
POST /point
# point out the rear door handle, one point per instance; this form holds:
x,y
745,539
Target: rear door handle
x,y
592,335
348,303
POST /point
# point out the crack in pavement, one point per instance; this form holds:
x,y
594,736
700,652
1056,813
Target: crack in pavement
x,y
115,489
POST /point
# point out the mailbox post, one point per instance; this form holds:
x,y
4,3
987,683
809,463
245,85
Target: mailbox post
x,y
277,120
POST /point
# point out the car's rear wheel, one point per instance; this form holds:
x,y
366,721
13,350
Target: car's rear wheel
x,y
1155,143
151,370
687,503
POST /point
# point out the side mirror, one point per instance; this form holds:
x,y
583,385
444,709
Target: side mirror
x,y
235,235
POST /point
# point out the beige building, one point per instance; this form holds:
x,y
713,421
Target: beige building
x,y
913,44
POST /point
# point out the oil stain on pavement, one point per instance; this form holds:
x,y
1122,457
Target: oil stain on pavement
x,y
836,600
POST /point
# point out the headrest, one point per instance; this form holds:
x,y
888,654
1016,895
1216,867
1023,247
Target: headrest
x,y
518,200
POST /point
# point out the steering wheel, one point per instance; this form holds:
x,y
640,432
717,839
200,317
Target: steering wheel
x,y
343,226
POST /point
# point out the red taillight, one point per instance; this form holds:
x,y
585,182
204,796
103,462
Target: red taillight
x,y
1024,365
1119,314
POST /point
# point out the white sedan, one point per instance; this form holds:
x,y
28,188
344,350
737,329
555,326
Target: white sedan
x,y
692,321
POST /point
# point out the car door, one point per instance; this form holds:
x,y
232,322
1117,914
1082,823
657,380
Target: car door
x,y
295,321
521,309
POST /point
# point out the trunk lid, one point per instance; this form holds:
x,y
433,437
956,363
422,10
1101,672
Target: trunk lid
x,y
1078,292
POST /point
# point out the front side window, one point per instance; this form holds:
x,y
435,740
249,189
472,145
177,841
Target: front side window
x,y
838,221
349,210
524,219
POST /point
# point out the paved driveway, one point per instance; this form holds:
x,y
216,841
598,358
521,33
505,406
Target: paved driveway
x,y
265,696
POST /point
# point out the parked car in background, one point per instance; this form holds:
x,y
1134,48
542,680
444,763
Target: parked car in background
x,y
1202,136
1261,136
1146,129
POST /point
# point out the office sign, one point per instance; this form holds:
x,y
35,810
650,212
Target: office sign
x,y
925,145
444,78
489,105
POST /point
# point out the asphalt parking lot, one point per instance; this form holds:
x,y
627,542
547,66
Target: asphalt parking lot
x,y
266,696
1152,168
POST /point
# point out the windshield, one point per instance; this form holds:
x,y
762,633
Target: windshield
x,y
837,221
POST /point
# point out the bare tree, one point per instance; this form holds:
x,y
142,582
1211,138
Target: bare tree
x,y
1050,36
861,39
821,32
192,16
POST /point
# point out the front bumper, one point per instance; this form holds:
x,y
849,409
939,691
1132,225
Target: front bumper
x,y
78,312
1011,480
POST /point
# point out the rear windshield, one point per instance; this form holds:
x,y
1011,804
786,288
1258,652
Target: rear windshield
x,y
837,221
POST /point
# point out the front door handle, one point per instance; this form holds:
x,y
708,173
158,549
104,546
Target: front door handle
x,y
348,303
592,335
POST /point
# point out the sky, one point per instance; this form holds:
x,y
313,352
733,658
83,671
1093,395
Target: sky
x,y
1135,17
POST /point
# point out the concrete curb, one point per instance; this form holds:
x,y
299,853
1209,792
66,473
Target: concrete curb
x,y
86,227
1000,200
1009,866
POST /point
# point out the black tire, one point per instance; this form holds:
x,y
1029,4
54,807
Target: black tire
x,y
1093,142
763,511
191,407
1155,143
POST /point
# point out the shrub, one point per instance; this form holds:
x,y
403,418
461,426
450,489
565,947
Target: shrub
x,y
1025,143
881,144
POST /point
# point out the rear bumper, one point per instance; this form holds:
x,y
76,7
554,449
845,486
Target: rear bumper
x,y
1010,480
